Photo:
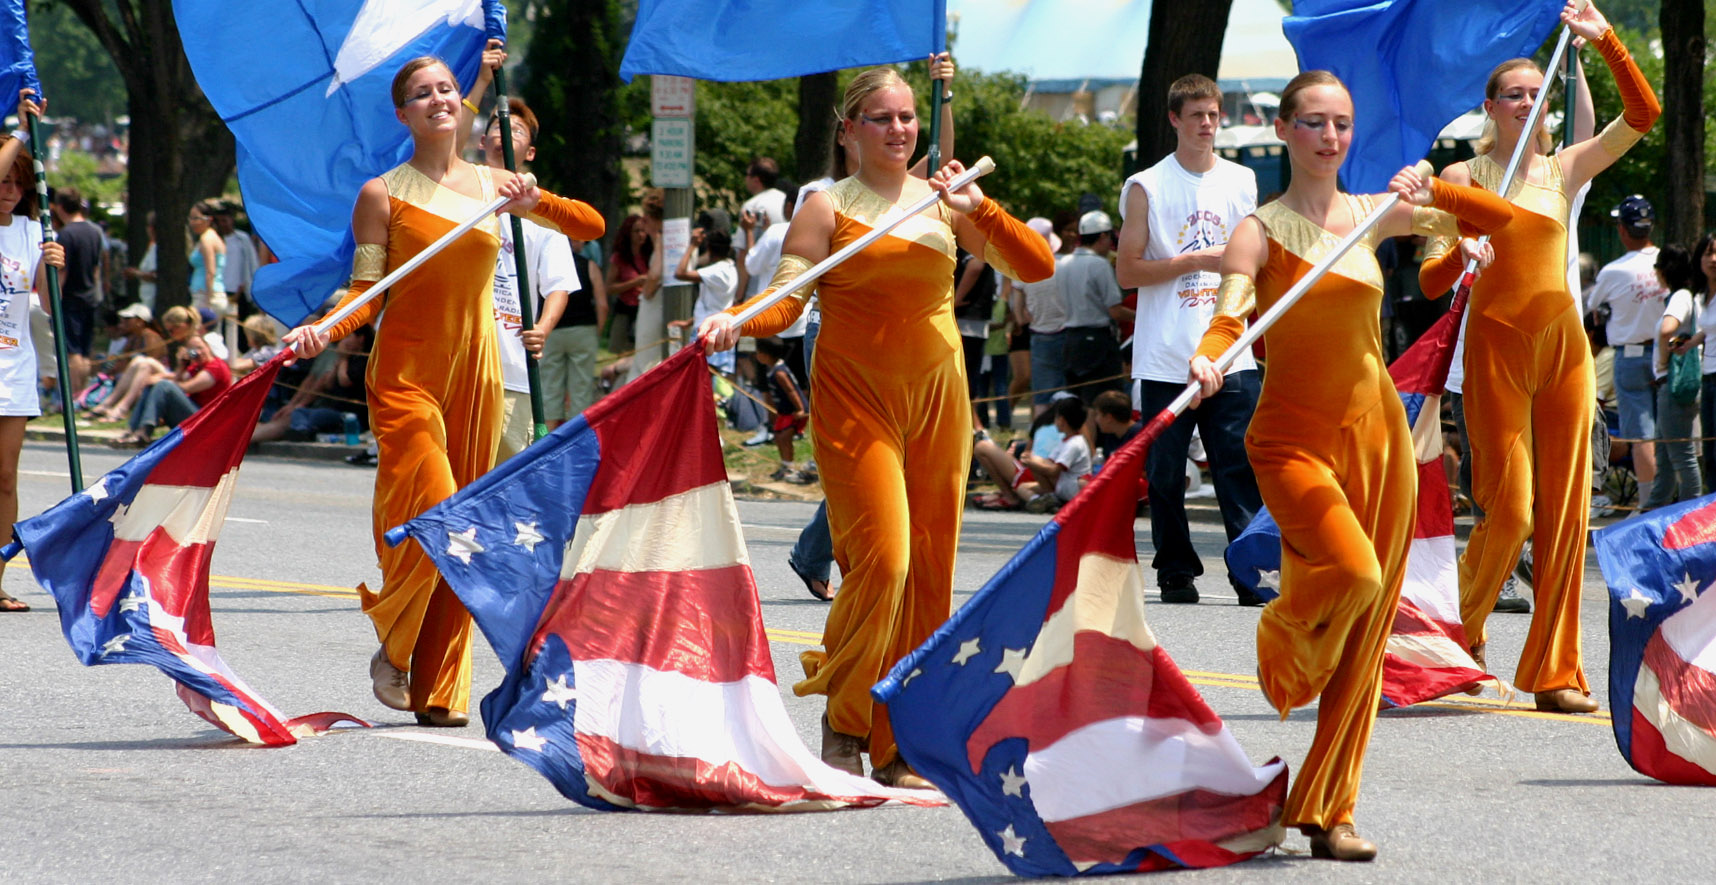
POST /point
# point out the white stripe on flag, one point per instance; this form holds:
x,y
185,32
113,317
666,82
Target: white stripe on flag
x,y
1124,761
1433,651
1108,599
1682,738
671,714
189,514
697,530
1433,578
1691,632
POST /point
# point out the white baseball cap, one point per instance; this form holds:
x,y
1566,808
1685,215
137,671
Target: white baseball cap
x,y
1096,222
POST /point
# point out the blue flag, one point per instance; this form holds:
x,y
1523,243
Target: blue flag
x,y
1047,710
1412,67
1660,567
17,61
770,39
305,89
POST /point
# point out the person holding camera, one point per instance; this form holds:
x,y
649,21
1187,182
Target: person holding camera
x,y
172,398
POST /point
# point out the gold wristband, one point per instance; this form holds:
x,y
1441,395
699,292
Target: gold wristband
x,y
473,108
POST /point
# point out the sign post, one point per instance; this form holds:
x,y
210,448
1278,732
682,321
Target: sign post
x,y
672,153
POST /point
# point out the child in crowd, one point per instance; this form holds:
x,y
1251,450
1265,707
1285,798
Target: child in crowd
x,y
1038,484
718,280
791,412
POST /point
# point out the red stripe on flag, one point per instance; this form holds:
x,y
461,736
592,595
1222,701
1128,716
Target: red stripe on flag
x,y
1108,678
1696,527
657,436
1405,684
1435,503
1651,756
110,579
680,782
1189,822
705,624
179,582
213,441
1689,689
1099,520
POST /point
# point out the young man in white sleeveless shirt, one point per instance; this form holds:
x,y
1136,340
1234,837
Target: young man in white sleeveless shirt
x,y
1178,215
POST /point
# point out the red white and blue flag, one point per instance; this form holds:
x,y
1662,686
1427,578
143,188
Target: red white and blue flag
x,y
1047,710
127,562
606,567
1662,639
1427,654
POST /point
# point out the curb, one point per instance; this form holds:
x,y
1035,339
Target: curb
x,y
299,451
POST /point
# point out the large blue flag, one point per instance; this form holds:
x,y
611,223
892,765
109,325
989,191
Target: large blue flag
x,y
305,89
1412,67
771,39
17,61
1048,711
1662,639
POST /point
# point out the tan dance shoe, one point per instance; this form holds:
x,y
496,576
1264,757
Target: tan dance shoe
x,y
1339,843
1478,655
1565,700
441,717
898,774
842,751
392,685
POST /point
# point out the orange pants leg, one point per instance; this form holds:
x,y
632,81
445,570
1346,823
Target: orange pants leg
x,y
1529,422
893,466
1346,524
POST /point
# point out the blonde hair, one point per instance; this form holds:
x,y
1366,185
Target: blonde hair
x,y
1306,80
865,85
1487,139
409,68
262,327
179,315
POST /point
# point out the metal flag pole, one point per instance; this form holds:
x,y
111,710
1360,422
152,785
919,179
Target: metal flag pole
x,y
67,414
526,310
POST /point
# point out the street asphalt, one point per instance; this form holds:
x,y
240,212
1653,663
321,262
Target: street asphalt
x,y
105,775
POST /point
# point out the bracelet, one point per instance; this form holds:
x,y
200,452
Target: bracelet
x,y
474,108
947,96
23,136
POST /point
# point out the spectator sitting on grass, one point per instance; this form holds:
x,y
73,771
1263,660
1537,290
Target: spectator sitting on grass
x,y
1040,485
327,396
788,403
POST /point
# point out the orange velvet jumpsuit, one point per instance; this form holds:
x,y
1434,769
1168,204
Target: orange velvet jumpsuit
x,y
1529,400
893,436
1334,460
434,385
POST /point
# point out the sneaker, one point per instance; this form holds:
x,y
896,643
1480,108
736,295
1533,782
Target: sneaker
x,y
780,473
1510,602
1602,507
362,459
1178,589
798,478
1523,569
761,437
1043,503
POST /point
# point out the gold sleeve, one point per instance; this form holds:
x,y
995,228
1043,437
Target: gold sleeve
x,y
1439,245
1619,137
370,262
1435,223
1237,296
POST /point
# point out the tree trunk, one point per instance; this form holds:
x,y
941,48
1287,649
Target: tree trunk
x,y
1683,44
1185,38
180,150
574,58
817,94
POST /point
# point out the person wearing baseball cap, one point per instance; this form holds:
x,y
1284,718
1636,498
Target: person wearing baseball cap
x,y
1629,286
1092,298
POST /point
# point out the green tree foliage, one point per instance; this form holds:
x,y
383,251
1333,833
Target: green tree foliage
x,y
1041,166
76,73
573,61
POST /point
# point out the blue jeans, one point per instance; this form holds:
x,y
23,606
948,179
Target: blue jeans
x,y
165,402
813,554
1676,462
1221,421
1048,365
990,384
1637,395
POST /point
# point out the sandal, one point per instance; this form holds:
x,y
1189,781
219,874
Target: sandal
x,y
827,594
13,604
995,501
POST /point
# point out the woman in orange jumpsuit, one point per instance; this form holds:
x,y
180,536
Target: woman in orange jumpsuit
x,y
1529,389
892,412
434,377
1329,442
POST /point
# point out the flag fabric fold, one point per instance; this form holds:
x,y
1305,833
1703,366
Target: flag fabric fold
x,y
770,39
1422,63
1048,711
1662,639
127,562
1428,653
606,567
305,88
17,59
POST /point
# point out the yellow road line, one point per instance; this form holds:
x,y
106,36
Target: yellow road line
x,y
808,638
